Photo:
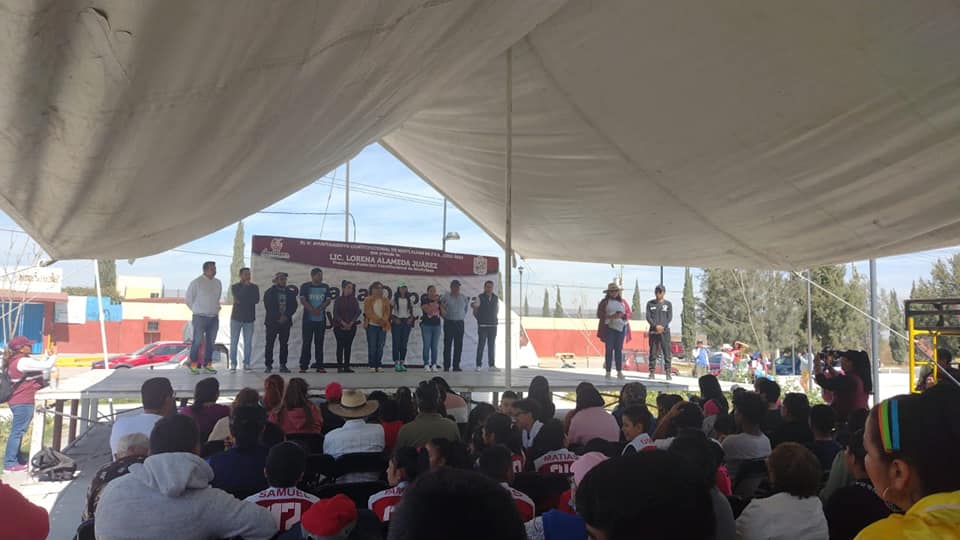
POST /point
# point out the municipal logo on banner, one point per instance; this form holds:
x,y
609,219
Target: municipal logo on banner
x,y
480,266
276,250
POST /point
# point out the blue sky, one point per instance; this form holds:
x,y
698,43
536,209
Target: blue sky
x,y
418,222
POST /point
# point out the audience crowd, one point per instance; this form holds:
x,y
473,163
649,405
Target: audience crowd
x,y
428,464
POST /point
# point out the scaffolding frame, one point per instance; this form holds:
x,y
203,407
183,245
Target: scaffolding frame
x,y
946,312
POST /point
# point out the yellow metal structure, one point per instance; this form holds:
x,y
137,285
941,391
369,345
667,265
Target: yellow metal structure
x,y
933,318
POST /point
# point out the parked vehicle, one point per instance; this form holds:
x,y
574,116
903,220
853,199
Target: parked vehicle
x,y
787,365
152,353
182,358
634,360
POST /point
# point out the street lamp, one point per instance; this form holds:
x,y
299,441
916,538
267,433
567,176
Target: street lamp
x,y
520,269
448,237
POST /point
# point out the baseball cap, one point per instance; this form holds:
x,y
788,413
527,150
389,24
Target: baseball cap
x,y
19,342
333,391
330,519
316,271
455,283
401,284
279,275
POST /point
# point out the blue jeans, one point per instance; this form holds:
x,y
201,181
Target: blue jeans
x,y
22,414
376,337
236,327
205,329
401,335
486,335
431,344
613,348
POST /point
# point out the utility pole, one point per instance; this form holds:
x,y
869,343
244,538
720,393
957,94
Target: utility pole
x,y
661,275
444,224
346,211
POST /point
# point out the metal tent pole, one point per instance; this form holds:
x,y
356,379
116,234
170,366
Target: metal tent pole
x,y
809,317
346,211
874,332
508,225
103,332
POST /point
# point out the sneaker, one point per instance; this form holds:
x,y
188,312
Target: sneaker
x,y
379,370
303,370
247,369
348,370
669,376
284,370
194,369
268,370
233,370
620,375
446,370
651,376
457,369
398,368
607,374
373,370
19,467
321,370
209,370
494,368
403,368
478,368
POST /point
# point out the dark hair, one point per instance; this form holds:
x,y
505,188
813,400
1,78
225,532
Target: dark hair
x,y
206,391
406,459
944,356
794,469
725,424
700,454
242,270
855,446
509,394
246,426
539,391
501,427
286,463
632,392
442,385
154,392
496,462
208,264
823,419
527,406
690,416
488,282
929,423
272,391
710,389
861,365
588,396
295,397
455,453
389,411
315,271
797,405
649,494
273,435
665,402
174,433
449,500
605,447
768,389
549,438
751,407
639,414
408,409
246,396
428,396
857,419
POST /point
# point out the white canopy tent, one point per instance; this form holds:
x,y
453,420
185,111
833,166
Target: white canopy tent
x,y
750,134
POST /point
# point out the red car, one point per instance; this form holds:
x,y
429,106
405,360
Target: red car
x,y
153,353
634,360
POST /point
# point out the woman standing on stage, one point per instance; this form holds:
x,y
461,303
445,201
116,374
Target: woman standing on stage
x,y
613,313
430,328
401,321
376,321
346,315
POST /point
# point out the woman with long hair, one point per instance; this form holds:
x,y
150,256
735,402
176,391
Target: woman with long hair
x,y
406,404
908,439
272,392
376,322
613,328
296,413
245,397
27,375
539,391
205,410
430,328
455,405
590,420
346,315
850,388
499,429
401,323
711,396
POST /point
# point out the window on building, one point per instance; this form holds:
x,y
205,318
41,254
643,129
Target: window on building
x,y
153,326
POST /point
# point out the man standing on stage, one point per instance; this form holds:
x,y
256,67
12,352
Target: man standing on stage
x,y
453,309
203,299
315,297
246,296
659,315
485,310
280,303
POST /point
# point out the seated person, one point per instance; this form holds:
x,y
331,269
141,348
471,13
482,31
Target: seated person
x,y
445,453
645,495
853,507
356,436
823,422
507,400
221,430
683,415
525,414
636,425
452,503
769,390
403,469
21,518
564,522
550,450
131,448
205,410
169,495
794,511
240,469
700,453
499,429
750,443
296,413
496,463
286,464
796,421
157,397
428,424
336,518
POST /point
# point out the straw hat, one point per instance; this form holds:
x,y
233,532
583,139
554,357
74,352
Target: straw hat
x,y
353,404
613,287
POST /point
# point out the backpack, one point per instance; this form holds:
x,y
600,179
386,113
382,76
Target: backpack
x,y
50,465
7,386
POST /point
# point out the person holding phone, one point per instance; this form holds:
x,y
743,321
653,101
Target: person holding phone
x,y
613,313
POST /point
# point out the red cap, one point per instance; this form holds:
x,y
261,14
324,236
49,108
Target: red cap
x,y
330,518
19,342
334,391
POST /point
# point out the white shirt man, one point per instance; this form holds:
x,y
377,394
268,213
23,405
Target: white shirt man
x,y
356,436
203,295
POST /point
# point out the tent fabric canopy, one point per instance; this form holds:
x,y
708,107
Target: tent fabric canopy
x,y
750,134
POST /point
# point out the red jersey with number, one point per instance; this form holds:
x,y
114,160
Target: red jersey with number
x,y
518,461
524,504
383,503
555,461
286,504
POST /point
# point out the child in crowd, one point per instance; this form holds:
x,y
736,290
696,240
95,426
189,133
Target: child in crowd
x,y
549,453
506,402
636,422
824,446
442,452
496,463
402,469
286,463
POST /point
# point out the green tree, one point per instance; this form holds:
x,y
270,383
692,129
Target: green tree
x,y
558,309
635,304
108,277
526,307
546,304
237,262
835,323
688,317
944,282
894,313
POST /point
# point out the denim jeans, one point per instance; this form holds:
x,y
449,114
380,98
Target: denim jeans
x,y
315,332
431,343
613,348
376,337
486,335
401,335
236,328
452,343
205,331
22,414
